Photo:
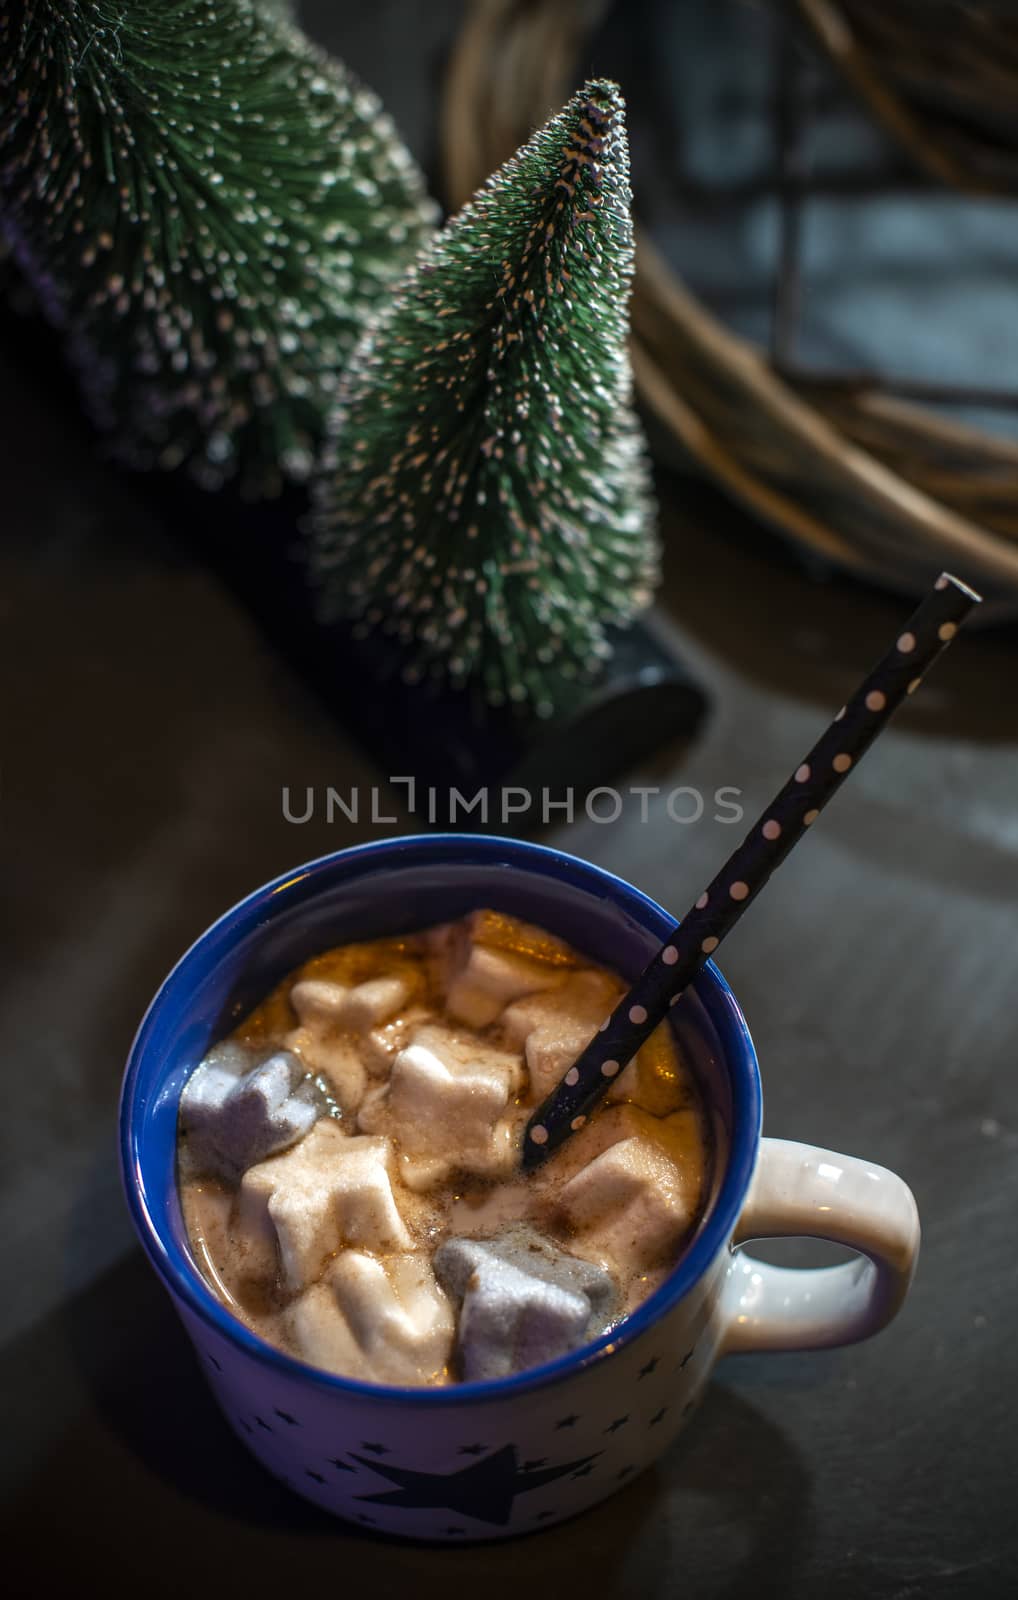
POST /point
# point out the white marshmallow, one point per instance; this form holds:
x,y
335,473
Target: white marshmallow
x,y
388,1322
322,1336
371,1004
632,1201
398,1314
332,1190
329,1014
317,1002
489,978
366,1005
677,1136
380,1046
421,1174
429,1096
555,1026
446,1097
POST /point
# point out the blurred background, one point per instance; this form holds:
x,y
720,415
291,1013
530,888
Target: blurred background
x,y
826,358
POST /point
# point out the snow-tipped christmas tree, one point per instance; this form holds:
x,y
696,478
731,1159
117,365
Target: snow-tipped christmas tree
x,y
485,495
208,209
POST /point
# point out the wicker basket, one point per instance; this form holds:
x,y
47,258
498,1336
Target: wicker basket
x,y
940,75
870,480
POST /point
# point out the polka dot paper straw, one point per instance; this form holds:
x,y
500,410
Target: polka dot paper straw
x,y
797,806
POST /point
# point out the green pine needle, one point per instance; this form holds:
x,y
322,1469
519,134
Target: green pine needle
x,y
486,492
209,210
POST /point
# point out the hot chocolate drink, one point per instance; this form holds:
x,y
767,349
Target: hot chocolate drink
x,y
348,1159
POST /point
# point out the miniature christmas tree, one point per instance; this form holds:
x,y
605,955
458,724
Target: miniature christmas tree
x,y
485,494
208,209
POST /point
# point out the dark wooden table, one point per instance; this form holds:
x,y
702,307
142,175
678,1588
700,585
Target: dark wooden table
x,y
149,733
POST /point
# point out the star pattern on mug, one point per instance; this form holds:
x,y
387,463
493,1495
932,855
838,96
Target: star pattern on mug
x,y
616,1424
376,1449
651,1365
340,1464
311,1473
472,1449
263,1424
284,1416
567,1422
486,1489
658,1416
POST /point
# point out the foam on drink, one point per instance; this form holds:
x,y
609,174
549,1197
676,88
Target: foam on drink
x,y
348,1159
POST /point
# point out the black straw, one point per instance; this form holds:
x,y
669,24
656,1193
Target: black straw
x,y
693,940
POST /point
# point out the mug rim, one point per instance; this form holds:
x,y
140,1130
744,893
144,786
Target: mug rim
x,y
182,1277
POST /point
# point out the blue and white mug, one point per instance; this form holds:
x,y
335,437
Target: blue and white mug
x,y
490,1460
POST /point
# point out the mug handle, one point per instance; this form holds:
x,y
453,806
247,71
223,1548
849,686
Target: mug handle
x,y
798,1189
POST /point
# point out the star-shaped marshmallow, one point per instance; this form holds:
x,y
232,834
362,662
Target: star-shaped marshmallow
x,y
523,1301
384,1321
639,1184
338,1030
238,1107
318,1002
332,1191
445,1103
553,1027
485,977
